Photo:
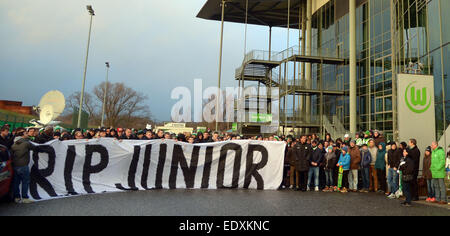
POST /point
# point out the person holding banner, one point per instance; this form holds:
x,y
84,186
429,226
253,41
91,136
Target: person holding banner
x,y
21,158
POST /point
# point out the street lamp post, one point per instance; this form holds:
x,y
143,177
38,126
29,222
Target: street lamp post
x,y
220,66
104,94
91,12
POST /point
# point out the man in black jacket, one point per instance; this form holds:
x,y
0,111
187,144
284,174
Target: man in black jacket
x,y
414,153
302,152
315,159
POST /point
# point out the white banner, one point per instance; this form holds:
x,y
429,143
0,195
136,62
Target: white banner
x,y
75,167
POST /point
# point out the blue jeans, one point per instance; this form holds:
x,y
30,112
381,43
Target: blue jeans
x,y
430,188
393,180
366,177
21,176
313,171
440,190
329,178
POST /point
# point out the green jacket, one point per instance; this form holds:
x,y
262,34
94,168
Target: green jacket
x,y
437,167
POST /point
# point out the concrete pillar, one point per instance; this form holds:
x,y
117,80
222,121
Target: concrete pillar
x,y
308,53
352,44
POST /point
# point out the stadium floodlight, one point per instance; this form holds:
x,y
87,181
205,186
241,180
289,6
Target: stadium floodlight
x,y
91,11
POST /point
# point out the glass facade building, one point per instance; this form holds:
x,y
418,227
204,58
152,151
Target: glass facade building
x,y
391,35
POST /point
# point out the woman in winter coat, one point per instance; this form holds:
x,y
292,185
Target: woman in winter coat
x,y
380,166
344,161
426,173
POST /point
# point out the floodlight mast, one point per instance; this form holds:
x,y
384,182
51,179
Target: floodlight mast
x,y
91,12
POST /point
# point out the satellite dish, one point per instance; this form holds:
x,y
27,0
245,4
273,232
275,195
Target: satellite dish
x,y
46,114
55,99
52,104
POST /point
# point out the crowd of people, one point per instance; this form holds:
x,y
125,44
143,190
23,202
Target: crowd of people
x,y
369,162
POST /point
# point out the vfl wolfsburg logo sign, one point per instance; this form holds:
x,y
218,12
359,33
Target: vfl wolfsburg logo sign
x,y
418,99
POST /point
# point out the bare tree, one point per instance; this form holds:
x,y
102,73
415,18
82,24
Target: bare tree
x,y
89,103
124,106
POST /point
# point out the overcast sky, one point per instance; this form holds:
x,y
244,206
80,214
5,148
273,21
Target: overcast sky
x,y
153,47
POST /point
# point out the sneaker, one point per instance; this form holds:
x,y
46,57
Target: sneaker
x,y
433,200
405,204
291,186
308,189
17,200
428,199
392,196
316,189
26,201
344,190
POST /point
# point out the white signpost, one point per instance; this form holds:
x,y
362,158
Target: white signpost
x,y
416,113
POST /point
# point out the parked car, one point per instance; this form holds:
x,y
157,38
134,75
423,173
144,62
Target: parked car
x,y
6,174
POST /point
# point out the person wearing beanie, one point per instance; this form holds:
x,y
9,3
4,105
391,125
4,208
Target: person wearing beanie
x,y
367,137
344,161
380,166
366,159
426,174
330,162
438,173
355,160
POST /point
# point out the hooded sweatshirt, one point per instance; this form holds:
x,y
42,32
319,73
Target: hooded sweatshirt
x,y
21,152
380,163
344,161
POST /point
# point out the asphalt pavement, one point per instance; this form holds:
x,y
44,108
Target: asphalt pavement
x,y
222,203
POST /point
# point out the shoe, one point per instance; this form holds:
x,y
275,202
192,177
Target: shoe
x,y
344,190
326,189
405,204
291,186
391,196
432,200
308,189
428,199
17,200
26,201
316,189
387,193
442,203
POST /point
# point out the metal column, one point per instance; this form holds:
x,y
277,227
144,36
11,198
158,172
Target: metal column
x,y
352,45
308,53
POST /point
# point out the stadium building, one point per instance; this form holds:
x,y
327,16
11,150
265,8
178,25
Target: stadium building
x,y
358,65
